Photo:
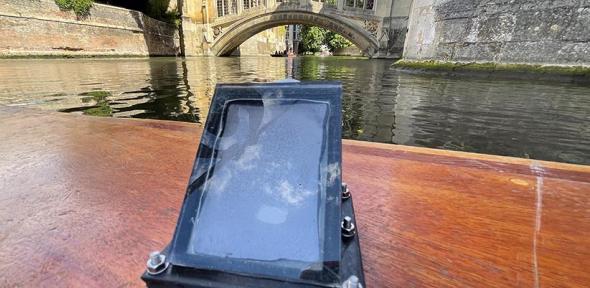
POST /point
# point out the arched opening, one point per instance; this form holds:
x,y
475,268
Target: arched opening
x,y
240,31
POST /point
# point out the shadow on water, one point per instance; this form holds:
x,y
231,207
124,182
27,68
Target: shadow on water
x,y
168,93
165,96
548,121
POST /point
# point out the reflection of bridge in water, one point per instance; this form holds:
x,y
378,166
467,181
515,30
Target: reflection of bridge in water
x,y
377,27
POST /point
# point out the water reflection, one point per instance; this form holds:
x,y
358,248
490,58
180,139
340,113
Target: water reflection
x,y
537,120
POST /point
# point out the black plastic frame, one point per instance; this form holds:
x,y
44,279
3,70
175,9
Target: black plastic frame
x,y
198,271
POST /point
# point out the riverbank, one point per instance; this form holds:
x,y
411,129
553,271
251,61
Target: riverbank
x,y
577,74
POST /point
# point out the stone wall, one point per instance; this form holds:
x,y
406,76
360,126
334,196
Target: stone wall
x,y
394,27
264,43
39,27
501,31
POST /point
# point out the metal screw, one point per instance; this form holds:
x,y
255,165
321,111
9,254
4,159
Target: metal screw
x,y
348,229
352,282
156,264
345,191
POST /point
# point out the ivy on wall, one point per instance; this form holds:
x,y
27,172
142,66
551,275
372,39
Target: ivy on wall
x,y
80,7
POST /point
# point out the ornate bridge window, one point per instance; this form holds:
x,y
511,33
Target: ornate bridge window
x,y
234,6
360,4
221,8
250,3
226,7
329,2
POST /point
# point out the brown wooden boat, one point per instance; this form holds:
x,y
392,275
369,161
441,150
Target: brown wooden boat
x,y
83,200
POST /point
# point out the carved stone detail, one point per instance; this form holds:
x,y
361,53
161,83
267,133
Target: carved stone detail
x,y
372,27
217,31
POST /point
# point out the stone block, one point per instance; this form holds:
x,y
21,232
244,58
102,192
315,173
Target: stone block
x,y
532,5
579,29
577,53
494,28
539,52
445,51
421,34
544,25
454,9
453,30
490,7
478,51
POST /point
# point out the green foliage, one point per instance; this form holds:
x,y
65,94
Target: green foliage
x,y
64,4
312,38
80,7
335,41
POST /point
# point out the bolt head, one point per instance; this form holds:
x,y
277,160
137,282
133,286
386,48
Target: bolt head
x,y
156,264
345,191
346,222
348,228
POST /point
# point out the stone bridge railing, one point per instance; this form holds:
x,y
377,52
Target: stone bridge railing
x,y
336,5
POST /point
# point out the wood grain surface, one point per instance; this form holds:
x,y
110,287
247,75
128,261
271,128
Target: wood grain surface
x,y
83,201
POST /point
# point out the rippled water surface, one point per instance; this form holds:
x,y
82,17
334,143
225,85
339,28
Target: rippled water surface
x,y
539,120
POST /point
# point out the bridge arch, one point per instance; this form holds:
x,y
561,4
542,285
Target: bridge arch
x,y
241,30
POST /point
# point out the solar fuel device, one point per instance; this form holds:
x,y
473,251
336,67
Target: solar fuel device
x,y
265,205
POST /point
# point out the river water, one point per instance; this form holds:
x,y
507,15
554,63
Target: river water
x,y
538,120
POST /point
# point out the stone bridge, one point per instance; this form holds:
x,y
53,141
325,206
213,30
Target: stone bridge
x,y
218,27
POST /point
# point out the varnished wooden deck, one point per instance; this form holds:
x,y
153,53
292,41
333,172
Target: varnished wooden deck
x,y
83,200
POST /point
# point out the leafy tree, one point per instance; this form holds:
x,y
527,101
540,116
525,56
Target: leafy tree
x,y
335,41
312,38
